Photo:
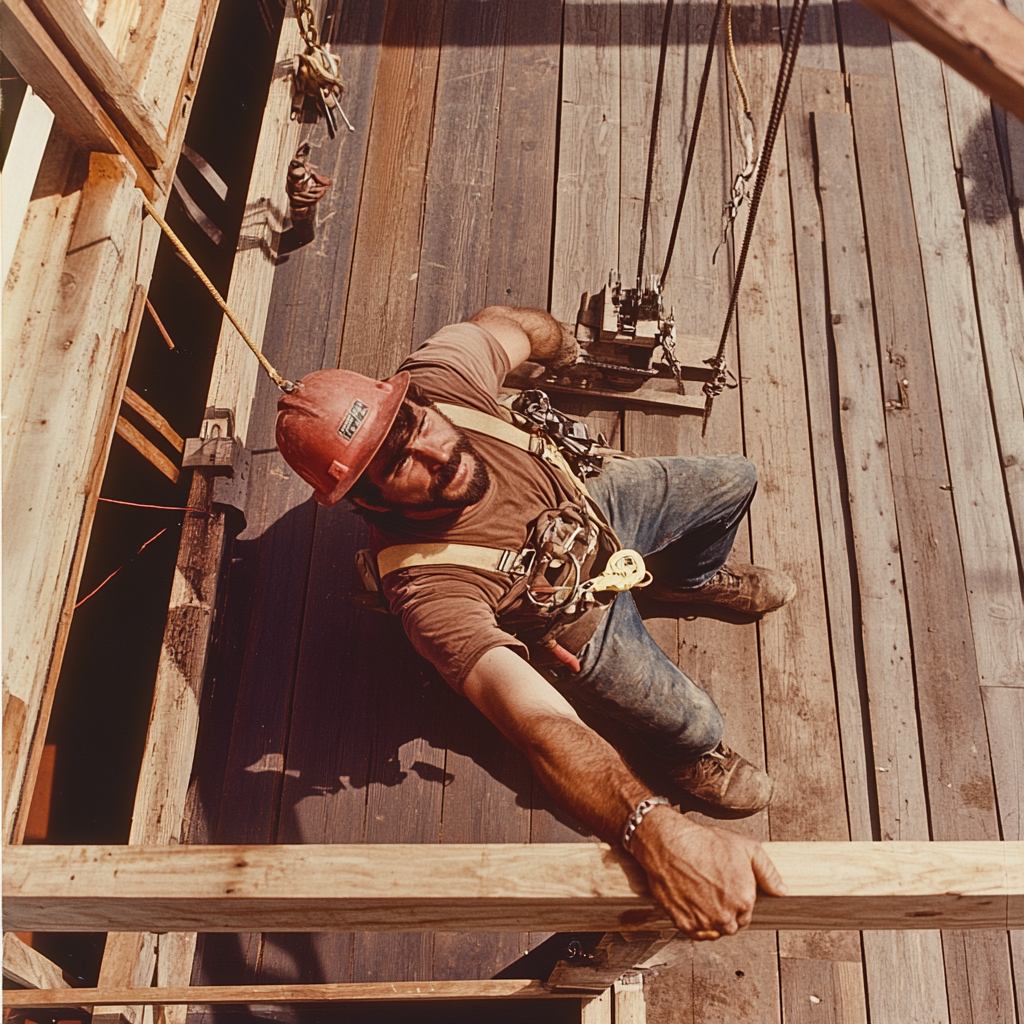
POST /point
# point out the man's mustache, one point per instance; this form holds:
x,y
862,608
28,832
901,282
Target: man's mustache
x,y
446,474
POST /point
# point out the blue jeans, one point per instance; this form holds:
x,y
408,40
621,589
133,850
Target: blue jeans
x,y
682,515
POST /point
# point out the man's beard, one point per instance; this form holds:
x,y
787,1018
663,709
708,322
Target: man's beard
x,y
474,491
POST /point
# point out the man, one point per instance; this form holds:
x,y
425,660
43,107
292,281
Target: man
x,y
453,508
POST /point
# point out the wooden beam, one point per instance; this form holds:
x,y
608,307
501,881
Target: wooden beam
x,y
155,419
616,953
41,63
540,887
147,449
981,40
77,38
25,966
384,991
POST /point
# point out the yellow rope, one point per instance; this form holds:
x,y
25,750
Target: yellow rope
x,y
283,383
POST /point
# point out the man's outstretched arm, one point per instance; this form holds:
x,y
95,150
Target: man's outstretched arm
x,y
529,334
706,878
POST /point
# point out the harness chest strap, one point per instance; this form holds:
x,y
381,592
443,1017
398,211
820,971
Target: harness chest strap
x,y
625,568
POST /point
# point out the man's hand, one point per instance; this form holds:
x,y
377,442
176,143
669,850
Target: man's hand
x,y
706,878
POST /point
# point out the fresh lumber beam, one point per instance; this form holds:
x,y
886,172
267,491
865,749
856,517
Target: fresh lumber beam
x,y
40,62
370,991
56,444
77,38
479,887
981,40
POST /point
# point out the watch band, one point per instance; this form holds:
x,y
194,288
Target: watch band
x,y
633,821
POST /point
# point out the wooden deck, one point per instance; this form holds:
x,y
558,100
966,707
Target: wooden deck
x,y
498,157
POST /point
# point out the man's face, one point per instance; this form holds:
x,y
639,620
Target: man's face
x,y
434,469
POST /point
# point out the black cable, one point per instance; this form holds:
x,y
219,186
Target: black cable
x,y
654,142
693,140
786,68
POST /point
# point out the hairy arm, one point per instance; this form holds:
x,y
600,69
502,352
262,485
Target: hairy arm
x,y
706,878
529,334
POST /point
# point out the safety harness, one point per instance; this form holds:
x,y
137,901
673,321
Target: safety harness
x,y
549,571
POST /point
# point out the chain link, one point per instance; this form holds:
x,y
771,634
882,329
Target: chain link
x,y
306,17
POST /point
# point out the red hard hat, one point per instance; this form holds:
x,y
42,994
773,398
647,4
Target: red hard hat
x,y
331,425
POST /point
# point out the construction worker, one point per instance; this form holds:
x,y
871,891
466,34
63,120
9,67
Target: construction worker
x,y
509,578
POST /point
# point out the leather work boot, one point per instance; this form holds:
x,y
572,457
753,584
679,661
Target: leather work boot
x,y
744,588
725,780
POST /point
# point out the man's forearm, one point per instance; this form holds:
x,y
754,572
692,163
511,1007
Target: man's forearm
x,y
547,341
580,769
705,877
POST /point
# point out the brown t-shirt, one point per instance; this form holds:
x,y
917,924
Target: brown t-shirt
x,y
448,611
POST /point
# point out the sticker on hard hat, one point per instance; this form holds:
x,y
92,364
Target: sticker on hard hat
x,y
353,420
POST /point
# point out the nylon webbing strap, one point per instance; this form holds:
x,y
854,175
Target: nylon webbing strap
x,y
485,423
406,556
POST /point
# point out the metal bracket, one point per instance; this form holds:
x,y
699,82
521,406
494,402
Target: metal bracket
x,y
221,454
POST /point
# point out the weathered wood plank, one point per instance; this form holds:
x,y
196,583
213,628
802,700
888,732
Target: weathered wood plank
x,y
221,995
997,280
972,447
959,783
884,629
886,640
385,261
799,693
52,77
70,28
587,192
452,282
524,170
570,886
154,418
823,90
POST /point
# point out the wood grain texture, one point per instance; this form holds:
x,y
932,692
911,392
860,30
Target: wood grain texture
x,y
452,282
997,279
961,798
570,886
899,779
587,190
524,167
972,443
798,690
886,639
815,90
391,992
378,327
52,77
981,40
73,32
159,809
129,432
27,966
84,344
